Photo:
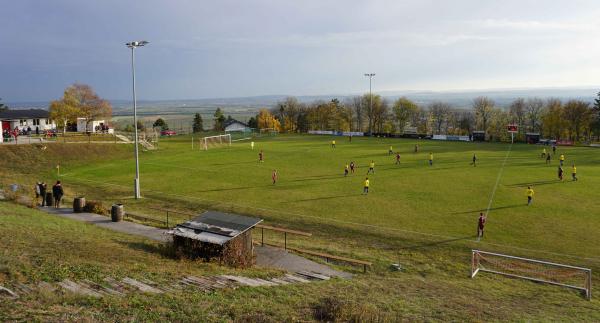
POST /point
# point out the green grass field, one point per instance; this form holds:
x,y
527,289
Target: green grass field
x,y
420,216
441,200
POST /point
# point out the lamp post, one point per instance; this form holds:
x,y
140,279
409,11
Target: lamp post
x,y
136,182
370,76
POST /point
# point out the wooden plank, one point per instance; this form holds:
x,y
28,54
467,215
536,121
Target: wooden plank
x,y
141,286
313,275
78,289
329,256
296,278
6,291
278,229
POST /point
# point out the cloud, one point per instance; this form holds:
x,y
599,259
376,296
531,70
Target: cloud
x,y
534,25
359,38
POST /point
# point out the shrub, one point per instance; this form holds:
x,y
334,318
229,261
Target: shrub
x,y
95,207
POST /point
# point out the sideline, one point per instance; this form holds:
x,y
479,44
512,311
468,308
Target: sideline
x,y
487,211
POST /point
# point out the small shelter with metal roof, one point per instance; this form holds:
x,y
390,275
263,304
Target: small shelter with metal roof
x,y
217,235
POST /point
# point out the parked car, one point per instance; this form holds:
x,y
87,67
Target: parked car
x,y
168,133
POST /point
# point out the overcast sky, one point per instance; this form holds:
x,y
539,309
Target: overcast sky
x,y
207,49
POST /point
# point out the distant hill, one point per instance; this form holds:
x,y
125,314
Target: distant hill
x,y
458,99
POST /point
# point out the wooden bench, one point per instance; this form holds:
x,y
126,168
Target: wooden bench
x,y
333,257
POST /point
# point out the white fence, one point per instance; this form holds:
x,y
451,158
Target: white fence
x,y
336,133
451,138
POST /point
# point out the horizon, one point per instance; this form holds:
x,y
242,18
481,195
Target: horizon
x,y
234,49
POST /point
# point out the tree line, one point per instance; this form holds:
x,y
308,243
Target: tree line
x,y
552,118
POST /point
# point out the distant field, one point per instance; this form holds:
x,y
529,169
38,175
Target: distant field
x,y
442,200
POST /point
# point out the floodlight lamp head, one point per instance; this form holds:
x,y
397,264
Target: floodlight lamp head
x,y
135,44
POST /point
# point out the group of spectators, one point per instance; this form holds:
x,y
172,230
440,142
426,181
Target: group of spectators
x,y
57,193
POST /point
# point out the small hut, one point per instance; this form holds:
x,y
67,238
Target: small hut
x,y
215,235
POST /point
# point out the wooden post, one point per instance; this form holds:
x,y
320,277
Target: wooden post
x,y
285,240
167,218
262,236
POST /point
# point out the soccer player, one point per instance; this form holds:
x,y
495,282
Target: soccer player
x,y
430,159
561,159
252,145
474,161
548,159
333,144
260,157
416,148
554,148
574,172
560,173
544,153
352,167
371,168
346,170
397,158
480,226
274,176
530,194
366,186
390,151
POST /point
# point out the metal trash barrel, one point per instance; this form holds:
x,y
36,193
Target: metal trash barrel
x,y
78,204
49,199
116,212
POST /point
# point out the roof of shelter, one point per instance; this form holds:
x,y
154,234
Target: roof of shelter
x,y
24,114
232,121
215,227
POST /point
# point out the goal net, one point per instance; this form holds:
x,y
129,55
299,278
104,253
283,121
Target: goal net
x,y
268,131
534,270
215,141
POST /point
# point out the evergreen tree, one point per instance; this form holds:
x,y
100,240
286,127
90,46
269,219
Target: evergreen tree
x,y
160,122
198,123
252,123
219,119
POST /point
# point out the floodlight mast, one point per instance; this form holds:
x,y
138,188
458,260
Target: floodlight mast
x,y
136,182
370,76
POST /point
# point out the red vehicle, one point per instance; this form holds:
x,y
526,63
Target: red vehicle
x,y
168,133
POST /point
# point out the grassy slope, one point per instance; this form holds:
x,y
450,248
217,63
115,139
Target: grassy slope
x,y
442,200
41,247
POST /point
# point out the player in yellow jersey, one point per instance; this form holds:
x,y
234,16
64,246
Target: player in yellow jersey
x,y
371,168
574,172
561,159
346,169
366,186
390,151
333,144
530,194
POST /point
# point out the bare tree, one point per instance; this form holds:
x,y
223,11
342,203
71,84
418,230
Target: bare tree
x,y
439,111
483,107
356,103
534,107
517,113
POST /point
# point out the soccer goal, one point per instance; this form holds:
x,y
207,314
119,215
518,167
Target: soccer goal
x,y
215,141
268,131
534,270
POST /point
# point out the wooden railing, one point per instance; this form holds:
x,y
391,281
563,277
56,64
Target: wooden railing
x,y
285,231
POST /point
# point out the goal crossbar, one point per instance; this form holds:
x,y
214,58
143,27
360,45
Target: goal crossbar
x,y
218,139
476,267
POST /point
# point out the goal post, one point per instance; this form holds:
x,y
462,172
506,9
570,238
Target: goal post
x,y
215,141
540,271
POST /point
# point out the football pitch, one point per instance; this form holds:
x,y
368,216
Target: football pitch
x,y
441,201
